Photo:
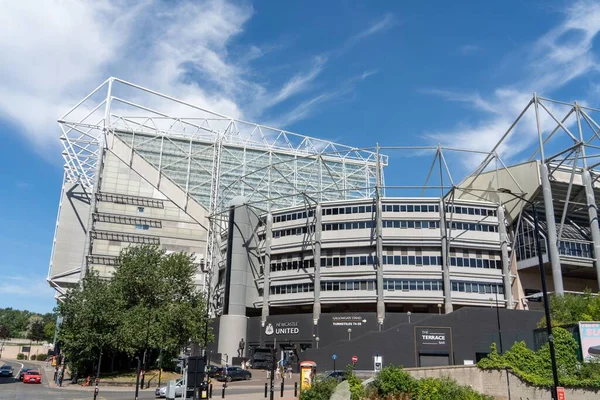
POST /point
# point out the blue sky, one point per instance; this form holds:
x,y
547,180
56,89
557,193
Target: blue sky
x,y
397,73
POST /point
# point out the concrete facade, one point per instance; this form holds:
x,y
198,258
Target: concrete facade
x,y
127,211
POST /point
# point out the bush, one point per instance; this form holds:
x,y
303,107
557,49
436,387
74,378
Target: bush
x,y
446,389
535,367
357,390
21,356
393,381
320,390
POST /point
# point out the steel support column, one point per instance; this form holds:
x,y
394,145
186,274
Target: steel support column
x,y
551,226
593,217
267,268
379,262
317,263
505,259
445,263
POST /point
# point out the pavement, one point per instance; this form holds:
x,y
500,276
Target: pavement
x,y
11,389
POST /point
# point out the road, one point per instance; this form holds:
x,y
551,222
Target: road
x,y
11,389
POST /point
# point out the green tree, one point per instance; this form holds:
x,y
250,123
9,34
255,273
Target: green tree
x,y
150,304
572,308
4,332
162,306
35,328
91,315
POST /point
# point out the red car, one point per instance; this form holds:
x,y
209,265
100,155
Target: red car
x,y
32,376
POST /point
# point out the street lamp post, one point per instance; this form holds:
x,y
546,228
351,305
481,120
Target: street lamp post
x,y
544,288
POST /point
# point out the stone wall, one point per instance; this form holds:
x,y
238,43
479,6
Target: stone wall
x,y
496,383
10,351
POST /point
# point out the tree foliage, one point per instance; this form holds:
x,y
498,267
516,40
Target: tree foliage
x,y
572,308
535,367
17,321
35,328
4,332
151,302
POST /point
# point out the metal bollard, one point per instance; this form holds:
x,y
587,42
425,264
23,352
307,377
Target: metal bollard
x,y
210,391
266,387
281,388
223,392
295,389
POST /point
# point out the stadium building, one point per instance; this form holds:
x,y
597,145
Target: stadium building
x,y
300,240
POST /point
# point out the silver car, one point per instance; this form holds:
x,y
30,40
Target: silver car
x,y
162,391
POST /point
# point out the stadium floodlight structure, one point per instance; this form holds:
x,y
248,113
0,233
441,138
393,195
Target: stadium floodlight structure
x,y
200,160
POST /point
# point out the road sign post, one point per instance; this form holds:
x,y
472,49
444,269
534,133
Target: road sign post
x,y
334,357
354,361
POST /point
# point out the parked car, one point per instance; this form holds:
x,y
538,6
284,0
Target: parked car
x,y
211,370
32,376
337,375
232,374
6,370
22,373
162,391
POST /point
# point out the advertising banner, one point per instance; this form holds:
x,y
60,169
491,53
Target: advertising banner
x,y
589,332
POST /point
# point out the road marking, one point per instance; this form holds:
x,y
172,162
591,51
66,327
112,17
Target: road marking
x,y
22,366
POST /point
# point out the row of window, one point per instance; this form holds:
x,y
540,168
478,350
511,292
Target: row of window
x,y
575,249
466,226
471,211
293,216
292,288
302,230
411,224
475,263
291,265
410,208
477,287
412,284
412,260
387,260
386,208
391,285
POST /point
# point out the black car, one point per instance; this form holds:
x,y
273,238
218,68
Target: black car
x,y
211,370
337,375
232,374
6,370
22,373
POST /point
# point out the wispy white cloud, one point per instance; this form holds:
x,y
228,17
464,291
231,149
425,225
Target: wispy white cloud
x,y
382,24
184,49
310,106
561,55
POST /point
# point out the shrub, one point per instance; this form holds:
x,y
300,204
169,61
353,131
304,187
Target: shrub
x,y
320,390
535,367
446,389
21,356
393,381
357,390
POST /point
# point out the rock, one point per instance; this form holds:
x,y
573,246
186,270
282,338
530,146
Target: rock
x,y
342,391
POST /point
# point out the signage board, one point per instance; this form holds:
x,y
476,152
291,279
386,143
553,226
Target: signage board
x,y
589,332
354,359
334,357
560,392
377,363
433,339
